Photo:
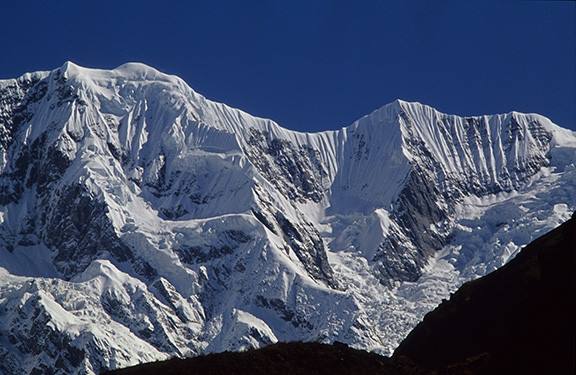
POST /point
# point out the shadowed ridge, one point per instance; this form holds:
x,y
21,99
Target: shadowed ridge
x,y
518,319
279,359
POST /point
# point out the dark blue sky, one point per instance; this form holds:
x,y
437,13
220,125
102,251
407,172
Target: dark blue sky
x,y
313,65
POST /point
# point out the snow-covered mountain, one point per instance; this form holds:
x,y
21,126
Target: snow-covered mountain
x,y
139,220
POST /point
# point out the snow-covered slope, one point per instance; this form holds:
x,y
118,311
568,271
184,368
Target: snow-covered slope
x,y
139,220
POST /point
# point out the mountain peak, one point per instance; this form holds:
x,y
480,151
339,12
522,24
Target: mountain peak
x,y
135,71
138,70
69,65
400,105
401,102
69,69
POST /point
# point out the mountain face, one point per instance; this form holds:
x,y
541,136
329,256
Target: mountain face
x,y
139,220
472,333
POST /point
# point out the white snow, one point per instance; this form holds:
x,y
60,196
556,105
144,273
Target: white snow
x,y
188,180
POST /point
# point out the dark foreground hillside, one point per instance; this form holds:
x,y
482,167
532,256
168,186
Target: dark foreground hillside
x,y
518,319
282,358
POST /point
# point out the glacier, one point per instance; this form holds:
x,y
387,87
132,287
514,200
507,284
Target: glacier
x,y
140,220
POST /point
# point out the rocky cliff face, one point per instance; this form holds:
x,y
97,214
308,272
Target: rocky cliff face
x,y
139,220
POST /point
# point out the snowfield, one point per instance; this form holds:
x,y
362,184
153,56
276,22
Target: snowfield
x,y
140,221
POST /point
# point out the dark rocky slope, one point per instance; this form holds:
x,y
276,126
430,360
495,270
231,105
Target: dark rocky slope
x,y
281,358
518,319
